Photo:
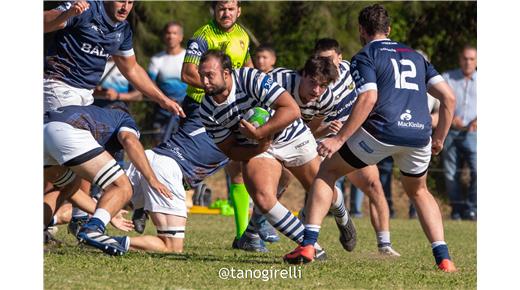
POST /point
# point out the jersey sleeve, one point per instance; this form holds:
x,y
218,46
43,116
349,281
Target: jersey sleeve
x,y
363,72
126,48
128,125
196,48
261,86
432,76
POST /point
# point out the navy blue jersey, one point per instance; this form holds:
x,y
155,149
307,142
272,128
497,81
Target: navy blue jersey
x,y
290,80
344,94
191,147
80,51
103,124
401,76
251,88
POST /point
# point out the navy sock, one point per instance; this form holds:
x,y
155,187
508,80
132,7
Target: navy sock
x,y
441,252
97,223
309,237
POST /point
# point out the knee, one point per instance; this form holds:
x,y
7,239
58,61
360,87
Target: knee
x,y
265,201
123,184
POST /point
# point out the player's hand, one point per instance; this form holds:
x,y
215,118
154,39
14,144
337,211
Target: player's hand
x,y
120,223
329,146
437,146
172,106
161,188
78,8
247,129
335,126
111,94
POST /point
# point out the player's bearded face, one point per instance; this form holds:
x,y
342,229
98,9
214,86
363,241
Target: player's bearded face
x,y
226,14
212,77
119,10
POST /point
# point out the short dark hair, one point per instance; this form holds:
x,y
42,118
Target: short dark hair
x,y
324,44
214,3
265,47
222,57
374,19
322,68
172,23
468,46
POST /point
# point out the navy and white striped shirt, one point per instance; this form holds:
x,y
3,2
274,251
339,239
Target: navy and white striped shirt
x,y
344,94
290,80
251,88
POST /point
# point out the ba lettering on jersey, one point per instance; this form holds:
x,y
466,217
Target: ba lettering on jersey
x,y
251,88
290,80
80,51
103,124
400,76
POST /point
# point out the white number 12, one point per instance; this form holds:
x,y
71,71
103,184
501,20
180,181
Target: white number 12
x,y
400,77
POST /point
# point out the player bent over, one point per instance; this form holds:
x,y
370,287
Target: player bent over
x,y
75,139
185,159
390,118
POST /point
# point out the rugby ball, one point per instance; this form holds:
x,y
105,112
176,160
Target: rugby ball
x,y
257,116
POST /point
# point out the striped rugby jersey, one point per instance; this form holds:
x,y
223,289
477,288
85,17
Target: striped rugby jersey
x,y
290,80
251,88
344,91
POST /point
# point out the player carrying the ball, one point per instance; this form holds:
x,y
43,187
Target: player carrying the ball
x,y
283,140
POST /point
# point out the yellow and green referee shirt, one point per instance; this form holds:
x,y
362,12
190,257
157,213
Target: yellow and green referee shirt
x,y
234,43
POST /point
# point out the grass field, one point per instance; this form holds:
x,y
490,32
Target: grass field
x,y
208,249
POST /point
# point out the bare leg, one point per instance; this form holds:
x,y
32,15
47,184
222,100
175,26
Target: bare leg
x,y
166,243
427,208
367,179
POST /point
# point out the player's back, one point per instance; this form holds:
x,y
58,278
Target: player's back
x,y
103,124
400,76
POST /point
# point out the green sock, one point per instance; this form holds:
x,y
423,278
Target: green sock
x,y
240,199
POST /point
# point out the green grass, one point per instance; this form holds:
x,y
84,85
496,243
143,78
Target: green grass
x,y
208,248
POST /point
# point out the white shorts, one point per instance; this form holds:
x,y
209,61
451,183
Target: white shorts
x,y
59,94
411,161
168,173
63,143
295,153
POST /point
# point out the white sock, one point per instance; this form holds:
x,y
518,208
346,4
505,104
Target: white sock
x,y
438,243
338,208
383,238
103,215
285,222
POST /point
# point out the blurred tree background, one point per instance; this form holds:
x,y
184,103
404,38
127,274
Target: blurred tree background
x,y
438,28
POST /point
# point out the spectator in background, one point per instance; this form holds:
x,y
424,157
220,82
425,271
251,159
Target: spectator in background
x,y
265,58
165,69
461,143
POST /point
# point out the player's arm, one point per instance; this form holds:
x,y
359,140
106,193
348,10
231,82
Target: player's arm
x,y
135,152
196,47
140,80
56,19
442,91
242,153
190,75
84,202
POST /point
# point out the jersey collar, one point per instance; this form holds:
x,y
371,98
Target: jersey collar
x,y
110,22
